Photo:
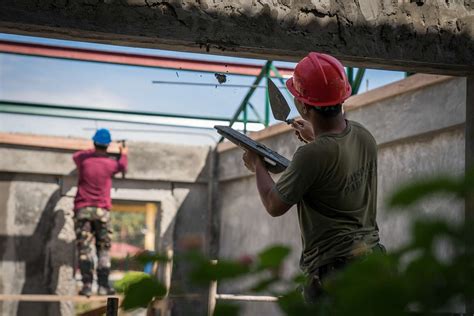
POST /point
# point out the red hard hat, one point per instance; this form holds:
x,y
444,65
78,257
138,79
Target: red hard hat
x,y
319,80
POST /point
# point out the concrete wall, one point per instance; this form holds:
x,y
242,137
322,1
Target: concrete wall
x,y
419,133
38,185
422,36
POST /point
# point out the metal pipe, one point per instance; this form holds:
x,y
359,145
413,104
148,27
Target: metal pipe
x,y
259,118
207,84
135,130
358,80
350,75
2,110
130,59
267,96
54,108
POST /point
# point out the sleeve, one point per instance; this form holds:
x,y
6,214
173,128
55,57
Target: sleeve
x,y
122,164
300,175
80,156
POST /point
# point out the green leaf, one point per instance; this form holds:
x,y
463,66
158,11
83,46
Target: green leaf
x,y
263,285
273,257
203,272
300,279
226,309
129,278
139,290
292,304
425,232
147,256
371,286
418,190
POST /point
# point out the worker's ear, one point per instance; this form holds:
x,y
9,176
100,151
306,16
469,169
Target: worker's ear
x,y
306,112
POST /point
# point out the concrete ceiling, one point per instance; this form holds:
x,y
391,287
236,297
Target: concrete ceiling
x,y
415,36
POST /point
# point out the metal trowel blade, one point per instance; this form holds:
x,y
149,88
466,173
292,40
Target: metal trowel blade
x,y
280,107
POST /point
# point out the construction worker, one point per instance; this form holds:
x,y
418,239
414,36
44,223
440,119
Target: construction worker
x,y
332,178
91,208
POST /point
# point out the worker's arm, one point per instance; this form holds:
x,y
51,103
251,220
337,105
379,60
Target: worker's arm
x,y
272,202
122,162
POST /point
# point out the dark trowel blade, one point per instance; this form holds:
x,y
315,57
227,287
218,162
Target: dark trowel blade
x,y
280,107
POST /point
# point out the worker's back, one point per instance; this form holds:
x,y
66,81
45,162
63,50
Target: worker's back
x,y
95,178
338,204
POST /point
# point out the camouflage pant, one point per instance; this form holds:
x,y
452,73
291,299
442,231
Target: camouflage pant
x,y
93,223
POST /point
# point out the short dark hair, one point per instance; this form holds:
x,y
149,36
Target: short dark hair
x,y
328,111
100,146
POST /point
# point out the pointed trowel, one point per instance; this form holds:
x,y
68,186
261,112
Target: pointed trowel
x,y
280,107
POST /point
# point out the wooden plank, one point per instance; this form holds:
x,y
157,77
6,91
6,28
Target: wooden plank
x,y
212,294
246,298
53,298
99,311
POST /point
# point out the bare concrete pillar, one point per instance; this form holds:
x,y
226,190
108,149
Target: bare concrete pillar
x,y
469,165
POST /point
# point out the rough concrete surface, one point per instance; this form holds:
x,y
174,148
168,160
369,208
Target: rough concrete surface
x,y
36,245
426,36
425,157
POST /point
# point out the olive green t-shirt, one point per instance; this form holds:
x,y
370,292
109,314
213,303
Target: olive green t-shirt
x,y
334,182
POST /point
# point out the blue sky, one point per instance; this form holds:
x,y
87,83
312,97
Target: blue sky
x,y
63,82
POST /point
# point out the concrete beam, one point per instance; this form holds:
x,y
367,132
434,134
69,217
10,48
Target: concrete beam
x,y
147,161
415,36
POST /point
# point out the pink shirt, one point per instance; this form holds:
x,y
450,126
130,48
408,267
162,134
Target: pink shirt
x,y
95,178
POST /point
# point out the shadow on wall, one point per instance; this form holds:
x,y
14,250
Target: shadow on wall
x,y
42,254
192,230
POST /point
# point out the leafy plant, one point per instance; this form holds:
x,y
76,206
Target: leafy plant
x,y
415,277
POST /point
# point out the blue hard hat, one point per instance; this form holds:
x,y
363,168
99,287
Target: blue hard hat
x,y
102,137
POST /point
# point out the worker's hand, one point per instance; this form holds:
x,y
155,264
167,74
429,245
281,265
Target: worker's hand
x,y
303,130
123,149
251,160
